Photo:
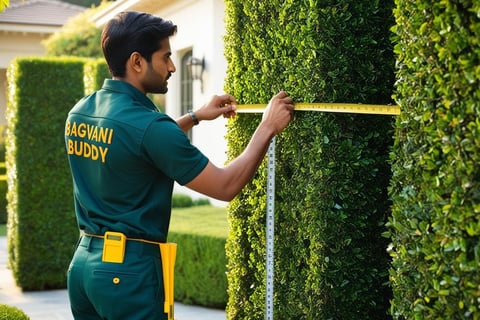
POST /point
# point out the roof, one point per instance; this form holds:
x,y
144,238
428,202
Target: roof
x,y
39,12
149,6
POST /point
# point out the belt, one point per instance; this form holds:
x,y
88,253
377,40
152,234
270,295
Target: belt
x,y
138,246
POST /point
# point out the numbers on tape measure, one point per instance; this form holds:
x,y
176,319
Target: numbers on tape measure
x,y
329,107
270,232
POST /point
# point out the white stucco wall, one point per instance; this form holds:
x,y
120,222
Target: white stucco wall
x,y
14,44
200,28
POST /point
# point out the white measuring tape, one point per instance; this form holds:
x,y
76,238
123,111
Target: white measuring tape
x,y
270,218
270,222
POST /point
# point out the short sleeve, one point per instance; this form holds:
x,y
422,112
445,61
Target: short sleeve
x,y
170,150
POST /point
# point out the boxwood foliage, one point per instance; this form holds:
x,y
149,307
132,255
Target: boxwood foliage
x,y
42,230
332,170
95,73
12,313
435,185
200,269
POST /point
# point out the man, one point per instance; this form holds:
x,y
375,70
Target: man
x,y
124,157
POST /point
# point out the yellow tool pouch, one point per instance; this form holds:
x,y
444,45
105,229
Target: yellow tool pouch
x,y
114,247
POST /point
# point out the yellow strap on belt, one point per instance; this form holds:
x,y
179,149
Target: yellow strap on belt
x,y
169,252
329,107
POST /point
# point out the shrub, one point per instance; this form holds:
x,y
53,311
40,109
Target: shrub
x,y
3,194
3,178
181,201
12,313
201,202
42,229
332,170
95,72
435,225
200,267
78,37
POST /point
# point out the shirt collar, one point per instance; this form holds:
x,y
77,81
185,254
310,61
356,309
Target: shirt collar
x,y
127,88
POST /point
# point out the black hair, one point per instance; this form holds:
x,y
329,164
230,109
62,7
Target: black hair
x,y
130,32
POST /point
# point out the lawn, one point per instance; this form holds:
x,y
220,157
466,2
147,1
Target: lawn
x,y
205,219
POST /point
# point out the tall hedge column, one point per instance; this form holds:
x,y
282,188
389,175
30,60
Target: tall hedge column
x,y
436,182
42,230
332,171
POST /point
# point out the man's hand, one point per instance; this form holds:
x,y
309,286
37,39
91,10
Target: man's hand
x,y
279,112
218,105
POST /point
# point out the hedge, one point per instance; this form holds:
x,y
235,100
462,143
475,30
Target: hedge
x,y
41,92
3,193
332,169
12,313
3,177
95,73
200,233
435,225
42,229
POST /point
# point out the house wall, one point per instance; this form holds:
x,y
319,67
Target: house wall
x,y
200,29
12,45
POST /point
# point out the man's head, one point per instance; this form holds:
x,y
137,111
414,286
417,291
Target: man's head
x,y
131,32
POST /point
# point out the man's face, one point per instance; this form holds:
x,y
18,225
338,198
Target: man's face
x,y
160,69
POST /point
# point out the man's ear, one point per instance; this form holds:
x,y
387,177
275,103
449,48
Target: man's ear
x,y
136,62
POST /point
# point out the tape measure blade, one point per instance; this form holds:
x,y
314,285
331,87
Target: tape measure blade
x,y
329,107
349,108
270,232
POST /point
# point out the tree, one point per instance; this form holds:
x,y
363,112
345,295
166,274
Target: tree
x,y
78,37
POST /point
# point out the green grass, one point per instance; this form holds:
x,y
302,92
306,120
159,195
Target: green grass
x,y
206,219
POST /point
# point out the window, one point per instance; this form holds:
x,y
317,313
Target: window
x,y
186,88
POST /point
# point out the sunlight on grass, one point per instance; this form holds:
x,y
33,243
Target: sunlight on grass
x,y
208,220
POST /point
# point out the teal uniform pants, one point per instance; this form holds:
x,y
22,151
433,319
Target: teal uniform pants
x,y
130,290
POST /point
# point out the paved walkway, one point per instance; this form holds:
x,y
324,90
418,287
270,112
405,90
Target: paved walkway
x,y
54,305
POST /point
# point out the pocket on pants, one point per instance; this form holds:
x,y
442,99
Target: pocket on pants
x,y
117,290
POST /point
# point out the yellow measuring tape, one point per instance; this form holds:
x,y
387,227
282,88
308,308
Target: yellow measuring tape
x,y
329,107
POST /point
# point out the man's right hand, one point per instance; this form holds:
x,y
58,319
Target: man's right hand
x,y
279,112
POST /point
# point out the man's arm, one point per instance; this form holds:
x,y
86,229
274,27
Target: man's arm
x,y
218,105
225,183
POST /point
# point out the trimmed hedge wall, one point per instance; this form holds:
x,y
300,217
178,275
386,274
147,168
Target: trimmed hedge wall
x,y
95,73
435,226
332,169
200,269
200,233
3,193
41,227
3,177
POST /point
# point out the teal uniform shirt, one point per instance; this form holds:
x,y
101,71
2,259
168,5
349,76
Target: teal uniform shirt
x,y
124,157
